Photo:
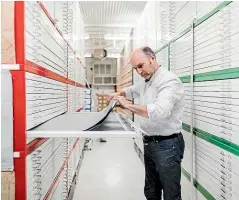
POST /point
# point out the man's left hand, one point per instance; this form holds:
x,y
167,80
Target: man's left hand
x,y
122,101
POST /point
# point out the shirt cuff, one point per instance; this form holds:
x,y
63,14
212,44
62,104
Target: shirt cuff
x,y
128,93
150,109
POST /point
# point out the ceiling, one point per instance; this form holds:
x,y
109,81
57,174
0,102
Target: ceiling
x,y
109,23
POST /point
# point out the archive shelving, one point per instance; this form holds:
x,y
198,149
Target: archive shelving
x,y
49,82
198,41
202,52
125,71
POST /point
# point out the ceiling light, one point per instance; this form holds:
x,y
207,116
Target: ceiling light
x,y
87,55
113,55
116,37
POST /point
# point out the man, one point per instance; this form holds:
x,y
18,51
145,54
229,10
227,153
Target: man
x,y
161,97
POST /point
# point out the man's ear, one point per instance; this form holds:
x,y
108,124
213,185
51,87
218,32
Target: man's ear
x,y
153,59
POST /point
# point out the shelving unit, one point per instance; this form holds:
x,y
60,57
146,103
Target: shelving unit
x,y
198,41
125,71
103,75
104,80
50,82
202,52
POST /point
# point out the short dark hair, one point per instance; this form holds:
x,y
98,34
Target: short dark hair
x,y
148,52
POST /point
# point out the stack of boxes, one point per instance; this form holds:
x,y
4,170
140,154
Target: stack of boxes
x,y
101,102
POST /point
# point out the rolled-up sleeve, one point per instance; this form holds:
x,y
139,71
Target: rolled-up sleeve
x,y
167,96
132,91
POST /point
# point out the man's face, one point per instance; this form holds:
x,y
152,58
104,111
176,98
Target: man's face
x,y
143,65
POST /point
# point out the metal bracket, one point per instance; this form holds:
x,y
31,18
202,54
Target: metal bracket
x,y
10,66
16,154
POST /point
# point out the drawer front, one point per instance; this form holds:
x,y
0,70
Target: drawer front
x,y
33,97
43,113
43,47
37,103
45,90
40,118
46,83
38,109
43,165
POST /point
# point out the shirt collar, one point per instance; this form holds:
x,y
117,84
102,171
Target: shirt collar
x,y
154,75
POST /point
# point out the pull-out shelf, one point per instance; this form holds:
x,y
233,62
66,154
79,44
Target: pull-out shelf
x,y
73,125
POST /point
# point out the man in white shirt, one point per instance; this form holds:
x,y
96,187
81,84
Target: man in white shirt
x,y
161,96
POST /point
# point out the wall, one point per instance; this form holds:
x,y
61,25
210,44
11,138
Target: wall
x,y
7,33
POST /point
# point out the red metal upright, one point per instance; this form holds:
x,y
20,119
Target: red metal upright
x,y
19,104
19,28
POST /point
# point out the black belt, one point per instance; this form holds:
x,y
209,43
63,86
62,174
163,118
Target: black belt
x,y
159,137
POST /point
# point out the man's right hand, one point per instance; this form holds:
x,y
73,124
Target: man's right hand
x,y
109,97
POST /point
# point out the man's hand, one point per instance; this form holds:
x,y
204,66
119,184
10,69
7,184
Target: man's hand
x,y
109,97
122,102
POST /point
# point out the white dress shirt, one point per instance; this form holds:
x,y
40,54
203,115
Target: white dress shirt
x,y
163,95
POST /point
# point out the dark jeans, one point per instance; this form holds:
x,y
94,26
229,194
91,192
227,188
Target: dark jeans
x,y
162,161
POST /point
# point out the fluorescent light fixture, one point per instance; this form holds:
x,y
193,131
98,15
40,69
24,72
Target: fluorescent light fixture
x,y
115,37
87,55
113,55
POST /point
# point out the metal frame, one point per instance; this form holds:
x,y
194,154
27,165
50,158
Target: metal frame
x,y
21,148
192,115
19,102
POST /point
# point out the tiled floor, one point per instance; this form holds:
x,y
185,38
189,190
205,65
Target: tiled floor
x,y
111,171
